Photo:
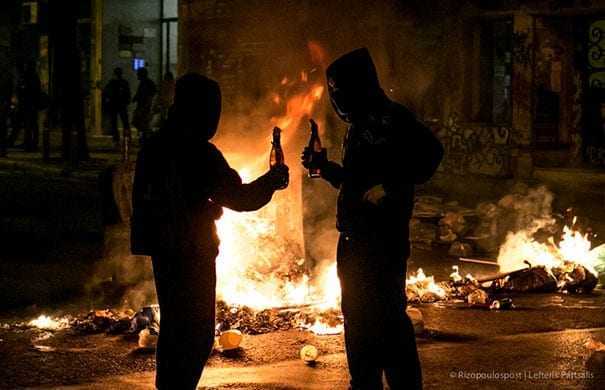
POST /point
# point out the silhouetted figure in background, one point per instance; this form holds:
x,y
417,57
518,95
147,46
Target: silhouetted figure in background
x,y
141,118
386,151
182,181
29,93
6,94
166,95
116,96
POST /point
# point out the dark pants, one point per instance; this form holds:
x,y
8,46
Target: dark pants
x,y
379,335
141,119
123,114
185,285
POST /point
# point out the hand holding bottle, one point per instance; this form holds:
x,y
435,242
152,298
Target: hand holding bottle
x,y
278,172
279,176
314,156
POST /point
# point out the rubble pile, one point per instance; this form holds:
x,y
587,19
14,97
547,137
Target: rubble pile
x,y
479,230
571,279
253,322
103,321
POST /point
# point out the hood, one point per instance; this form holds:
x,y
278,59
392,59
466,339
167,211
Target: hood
x,y
353,84
197,107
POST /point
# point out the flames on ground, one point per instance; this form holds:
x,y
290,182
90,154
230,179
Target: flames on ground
x,y
526,265
263,280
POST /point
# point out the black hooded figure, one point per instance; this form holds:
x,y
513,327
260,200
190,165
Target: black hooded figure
x,y
182,181
386,152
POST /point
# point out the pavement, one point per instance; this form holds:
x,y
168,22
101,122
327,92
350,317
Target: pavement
x,y
545,360
540,344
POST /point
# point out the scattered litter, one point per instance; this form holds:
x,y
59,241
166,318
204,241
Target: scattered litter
x,y
477,298
148,339
44,348
230,339
594,345
309,354
416,318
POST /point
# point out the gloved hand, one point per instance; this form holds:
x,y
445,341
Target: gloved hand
x,y
311,159
279,177
375,195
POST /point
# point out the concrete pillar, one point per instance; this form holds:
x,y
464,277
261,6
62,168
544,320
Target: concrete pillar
x,y
96,66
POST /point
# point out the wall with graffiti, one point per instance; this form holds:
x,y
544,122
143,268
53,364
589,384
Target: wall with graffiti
x,y
475,149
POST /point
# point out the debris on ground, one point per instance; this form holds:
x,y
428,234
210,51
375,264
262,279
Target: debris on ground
x,y
417,319
148,339
594,345
309,354
230,339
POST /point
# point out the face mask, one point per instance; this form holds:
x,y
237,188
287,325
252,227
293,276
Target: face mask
x,y
340,101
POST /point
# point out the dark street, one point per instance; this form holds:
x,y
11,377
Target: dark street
x,y
363,195
541,343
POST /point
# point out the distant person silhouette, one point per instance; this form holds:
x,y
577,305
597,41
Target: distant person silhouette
x,y
166,95
141,118
29,94
386,152
6,95
116,97
182,181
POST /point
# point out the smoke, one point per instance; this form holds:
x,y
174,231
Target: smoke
x,y
267,56
257,49
526,214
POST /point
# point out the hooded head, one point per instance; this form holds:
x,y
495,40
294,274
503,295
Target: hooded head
x,y
353,84
197,107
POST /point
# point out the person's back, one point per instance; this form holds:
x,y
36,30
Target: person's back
x,y
116,97
143,98
181,183
117,93
29,90
146,89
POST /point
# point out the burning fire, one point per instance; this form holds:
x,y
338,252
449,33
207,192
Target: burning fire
x,y
574,248
261,261
48,323
422,287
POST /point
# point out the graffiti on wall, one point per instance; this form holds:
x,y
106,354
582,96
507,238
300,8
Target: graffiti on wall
x,y
475,149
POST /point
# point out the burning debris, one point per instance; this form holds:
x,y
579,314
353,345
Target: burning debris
x,y
253,322
422,288
530,258
309,354
48,323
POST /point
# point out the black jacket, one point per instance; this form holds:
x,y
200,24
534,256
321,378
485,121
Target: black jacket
x,y
179,193
117,94
385,144
182,181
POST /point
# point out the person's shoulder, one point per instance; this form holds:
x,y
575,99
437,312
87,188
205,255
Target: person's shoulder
x,y
400,113
213,152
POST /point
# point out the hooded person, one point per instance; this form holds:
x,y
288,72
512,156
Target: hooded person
x,y
386,152
182,181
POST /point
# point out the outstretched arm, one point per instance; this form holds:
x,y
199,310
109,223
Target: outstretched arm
x,y
230,192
